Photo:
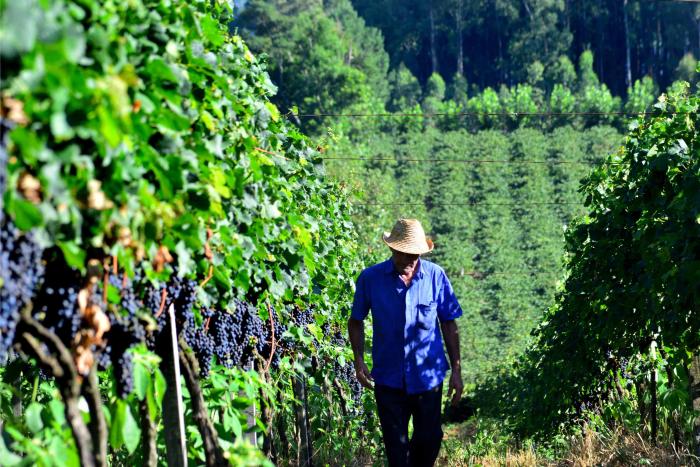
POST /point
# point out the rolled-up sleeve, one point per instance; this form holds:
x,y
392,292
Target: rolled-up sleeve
x,y
361,303
448,306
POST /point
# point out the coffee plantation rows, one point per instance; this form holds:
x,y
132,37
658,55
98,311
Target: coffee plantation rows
x,y
146,175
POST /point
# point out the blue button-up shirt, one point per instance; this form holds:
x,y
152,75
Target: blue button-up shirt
x,y
407,348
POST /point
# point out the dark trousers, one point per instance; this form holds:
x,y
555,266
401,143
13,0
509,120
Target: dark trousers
x,y
395,408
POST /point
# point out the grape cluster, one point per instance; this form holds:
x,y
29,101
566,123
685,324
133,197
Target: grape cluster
x,y
56,303
302,317
254,334
204,347
182,294
124,374
346,374
227,334
338,339
125,333
21,270
129,300
235,337
127,330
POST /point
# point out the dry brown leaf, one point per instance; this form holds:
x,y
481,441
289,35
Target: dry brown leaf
x,y
84,360
82,353
96,197
162,258
30,187
124,237
83,300
13,110
100,322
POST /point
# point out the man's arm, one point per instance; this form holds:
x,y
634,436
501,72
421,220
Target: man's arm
x,y
356,331
450,333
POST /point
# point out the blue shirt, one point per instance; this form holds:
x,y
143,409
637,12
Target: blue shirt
x,y
407,348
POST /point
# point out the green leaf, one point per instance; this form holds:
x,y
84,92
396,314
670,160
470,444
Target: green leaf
x,y
32,416
73,254
57,411
116,429
208,120
160,386
60,127
26,215
61,453
141,380
8,458
212,31
160,70
235,424
131,433
109,126
124,430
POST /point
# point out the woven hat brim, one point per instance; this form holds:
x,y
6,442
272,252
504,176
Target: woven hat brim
x,y
411,248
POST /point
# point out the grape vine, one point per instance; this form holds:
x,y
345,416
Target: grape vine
x,y
155,180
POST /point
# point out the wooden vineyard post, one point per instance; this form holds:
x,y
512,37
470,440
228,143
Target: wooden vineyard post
x,y
695,400
250,419
173,410
654,401
302,421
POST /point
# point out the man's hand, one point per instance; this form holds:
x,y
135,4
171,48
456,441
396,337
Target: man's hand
x,y
456,387
363,375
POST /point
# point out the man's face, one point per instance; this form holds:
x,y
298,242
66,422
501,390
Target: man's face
x,y
404,263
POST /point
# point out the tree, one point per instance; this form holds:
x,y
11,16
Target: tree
x,y
562,72
641,96
323,58
587,77
404,89
687,69
541,35
457,90
433,97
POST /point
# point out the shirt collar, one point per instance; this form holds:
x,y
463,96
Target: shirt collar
x,y
389,268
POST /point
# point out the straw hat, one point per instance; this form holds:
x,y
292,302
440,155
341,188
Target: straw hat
x,y
408,236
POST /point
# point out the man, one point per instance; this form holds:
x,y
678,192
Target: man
x,y
408,296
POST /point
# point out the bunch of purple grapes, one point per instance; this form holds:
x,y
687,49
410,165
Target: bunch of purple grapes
x,y
125,333
204,347
346,374
234,338
181,293
338,339
56,303
21,270
301,317
254,334
127,330
129,300
226,332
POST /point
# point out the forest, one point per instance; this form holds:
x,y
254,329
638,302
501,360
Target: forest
x,y
191,189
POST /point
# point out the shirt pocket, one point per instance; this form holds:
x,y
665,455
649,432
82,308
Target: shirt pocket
x,y
427,315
